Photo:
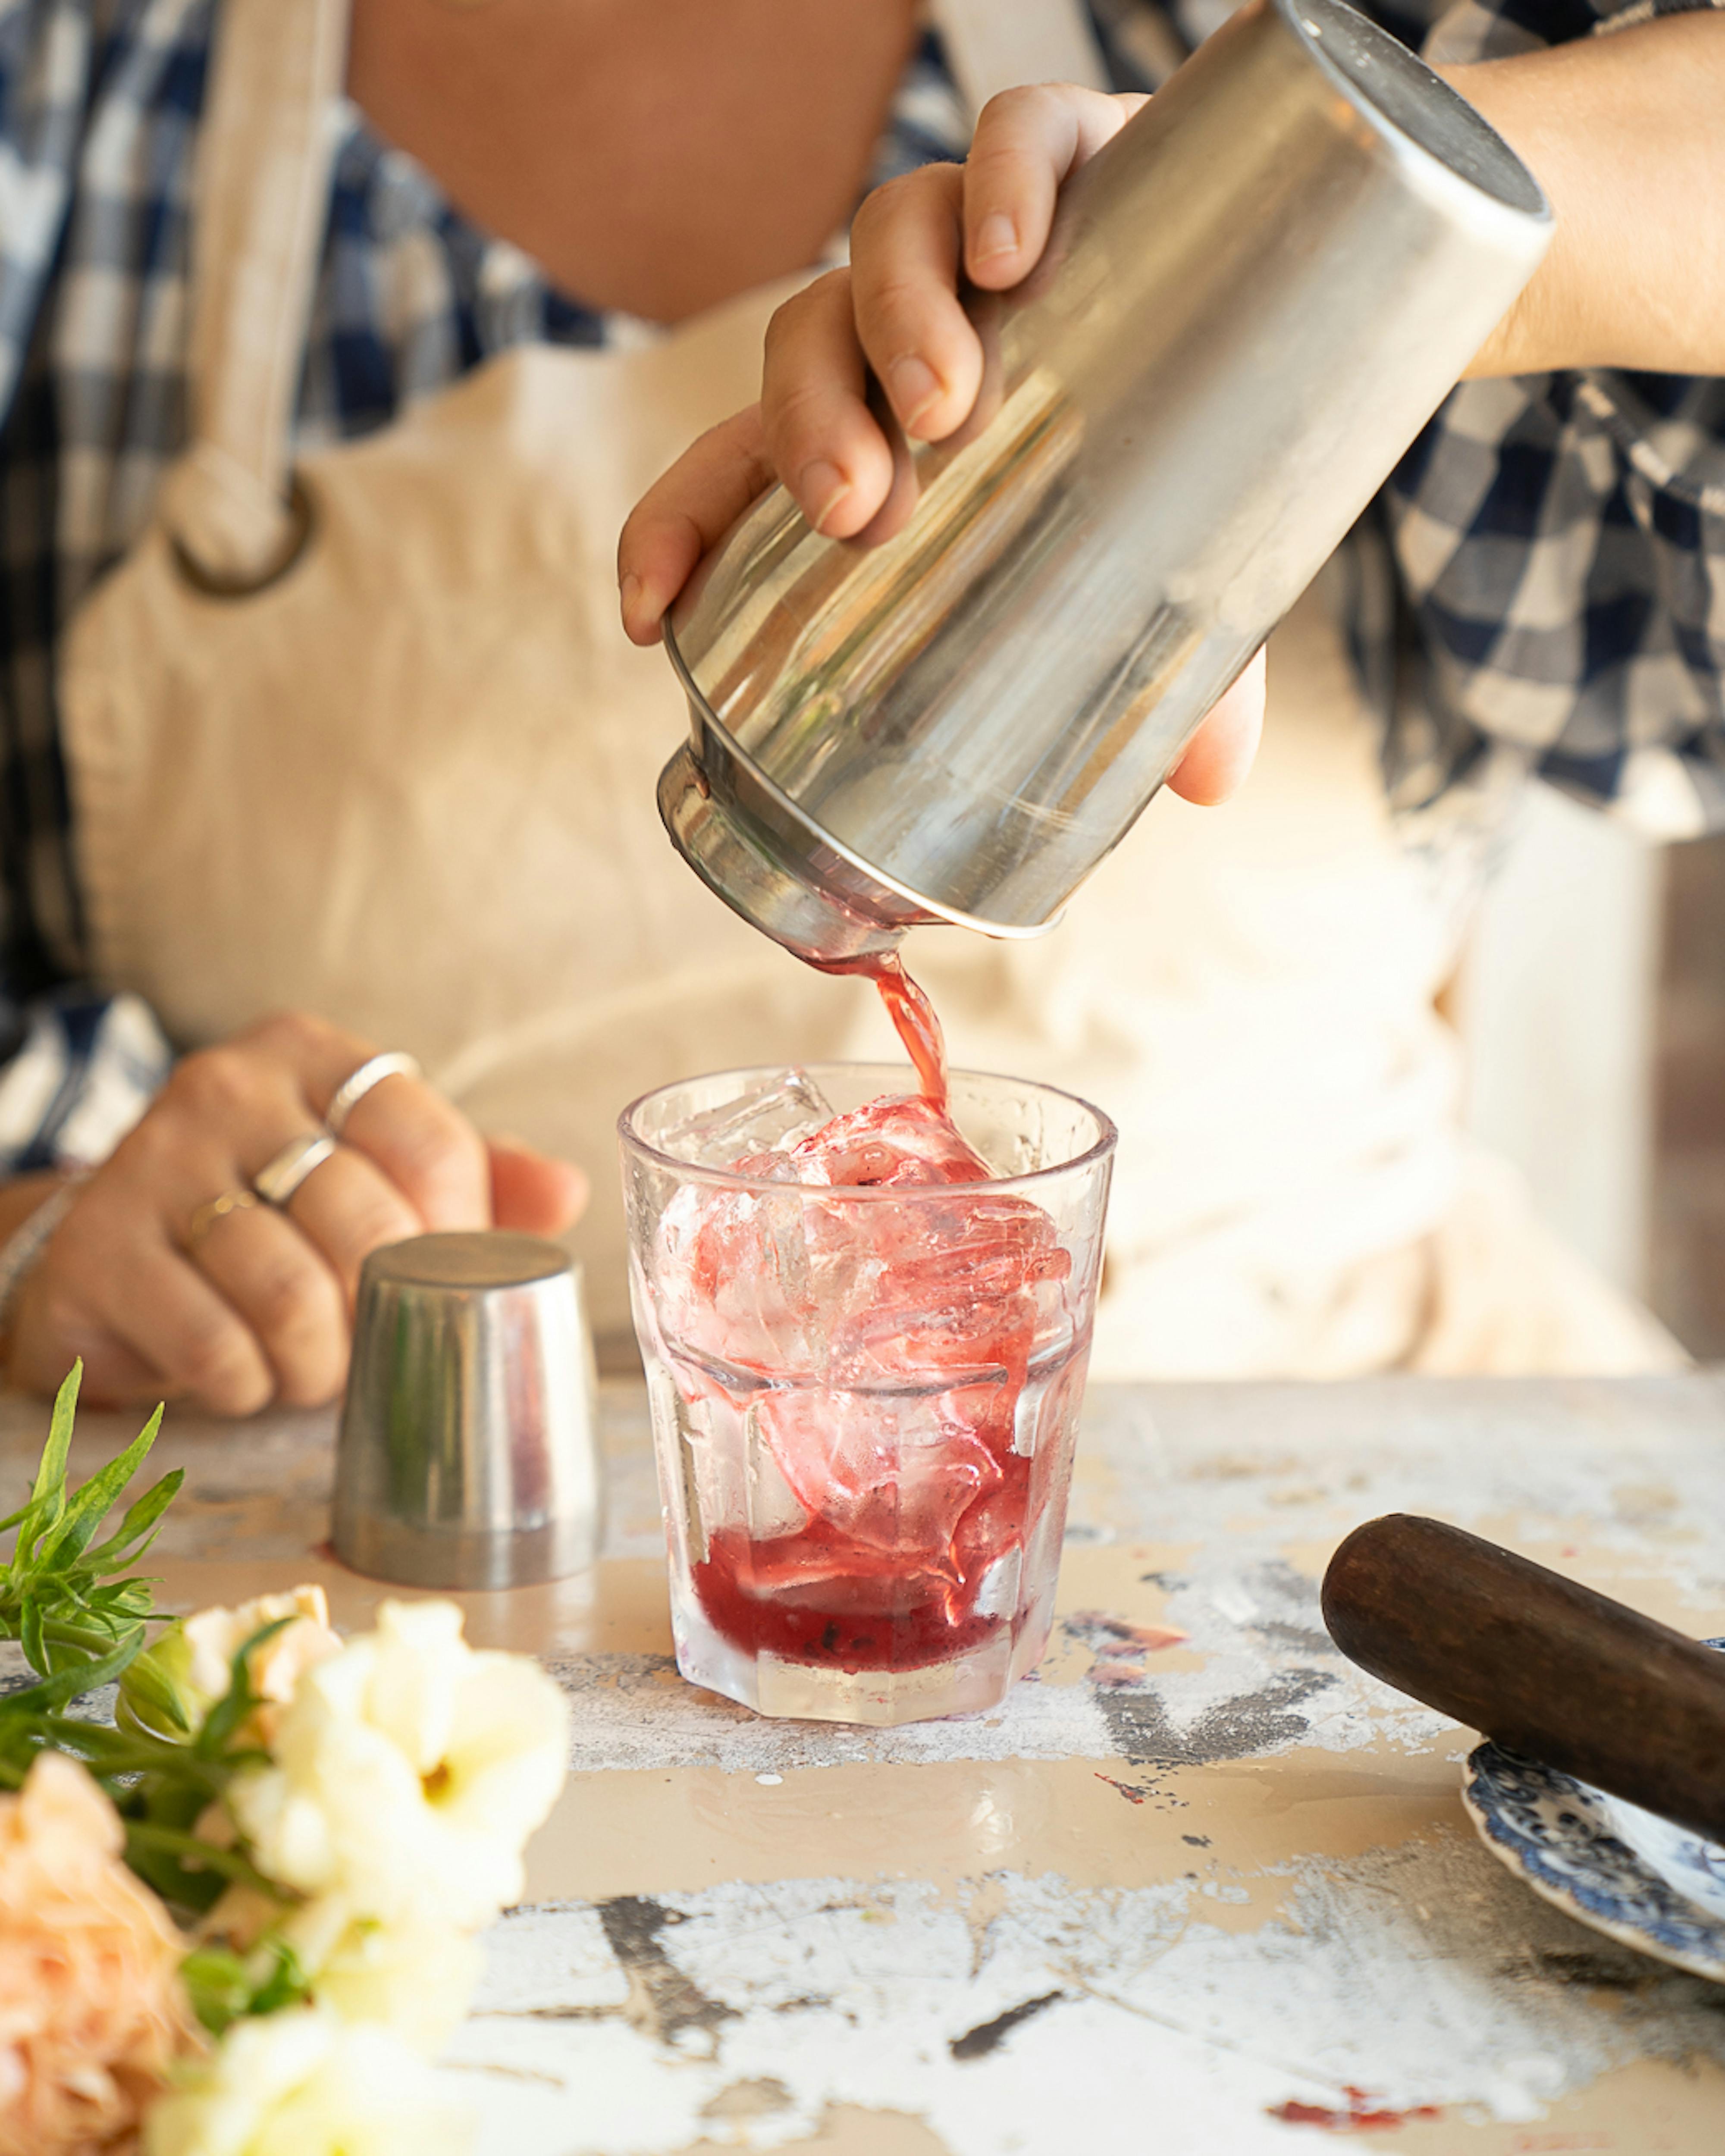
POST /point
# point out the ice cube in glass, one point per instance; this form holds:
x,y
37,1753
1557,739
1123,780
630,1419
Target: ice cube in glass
x,y
866,1392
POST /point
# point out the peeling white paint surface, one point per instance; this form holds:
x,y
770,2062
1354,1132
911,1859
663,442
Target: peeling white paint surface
x,y
1198,1872
1012,2011
1148,2029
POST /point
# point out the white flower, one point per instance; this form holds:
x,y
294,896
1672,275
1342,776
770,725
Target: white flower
x,y
216,1636
410,1771
194,1661
299,2084
414,1979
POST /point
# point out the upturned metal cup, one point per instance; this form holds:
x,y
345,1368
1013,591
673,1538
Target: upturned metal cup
x,y
468,1447
1254,298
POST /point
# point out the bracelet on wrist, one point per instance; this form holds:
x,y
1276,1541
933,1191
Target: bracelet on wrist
x,y
22,1249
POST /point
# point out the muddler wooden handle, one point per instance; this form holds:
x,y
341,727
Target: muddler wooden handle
x,y
1545,1667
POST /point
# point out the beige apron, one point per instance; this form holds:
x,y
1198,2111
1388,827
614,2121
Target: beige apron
x,y
409,784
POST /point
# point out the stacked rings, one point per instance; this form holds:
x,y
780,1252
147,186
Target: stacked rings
x,y
277,1180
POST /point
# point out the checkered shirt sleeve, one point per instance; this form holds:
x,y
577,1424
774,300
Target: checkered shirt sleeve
x,y
1559,542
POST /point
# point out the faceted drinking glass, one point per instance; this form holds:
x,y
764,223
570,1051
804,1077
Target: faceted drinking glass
x,y
865,1397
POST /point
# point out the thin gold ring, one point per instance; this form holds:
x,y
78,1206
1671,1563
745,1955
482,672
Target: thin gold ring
x,y
218,1208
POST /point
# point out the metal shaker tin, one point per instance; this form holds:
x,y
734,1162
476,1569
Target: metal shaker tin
x,y
468,1455
1254,298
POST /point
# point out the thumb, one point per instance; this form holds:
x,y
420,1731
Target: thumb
x,y
532,1191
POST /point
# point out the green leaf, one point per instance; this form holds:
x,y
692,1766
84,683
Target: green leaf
x,y
199,1860
228,1713
29,1633
154,1701
70,1683
105,1609
139,1520
225,1989
217,1985
286,1986
50,1489
86,1512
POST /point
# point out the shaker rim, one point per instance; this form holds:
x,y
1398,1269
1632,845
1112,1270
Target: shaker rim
x,y
1002,932
1533,205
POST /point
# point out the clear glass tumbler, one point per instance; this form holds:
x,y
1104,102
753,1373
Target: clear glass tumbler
x,y
865,1397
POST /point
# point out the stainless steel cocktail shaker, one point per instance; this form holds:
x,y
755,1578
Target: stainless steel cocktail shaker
x,y
469,1448
1255,298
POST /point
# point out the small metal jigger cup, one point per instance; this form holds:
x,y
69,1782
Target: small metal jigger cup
x,y
468,1452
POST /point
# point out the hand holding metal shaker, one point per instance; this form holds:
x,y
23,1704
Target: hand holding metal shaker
x,y
1253,300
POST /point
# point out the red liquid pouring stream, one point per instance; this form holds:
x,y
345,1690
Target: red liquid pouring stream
x,y
914,1020
825,1596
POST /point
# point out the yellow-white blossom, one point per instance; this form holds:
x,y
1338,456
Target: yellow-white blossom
x,y
414,1979
299,2083
195,1661
410,1771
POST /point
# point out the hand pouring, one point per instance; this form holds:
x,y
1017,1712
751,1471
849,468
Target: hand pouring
x,y
1254,298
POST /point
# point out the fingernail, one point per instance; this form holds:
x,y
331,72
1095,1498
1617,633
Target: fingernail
x,y
915,386
995,235
825,486
630,592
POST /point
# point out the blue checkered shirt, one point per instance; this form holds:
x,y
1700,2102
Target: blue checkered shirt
x,y
1539,588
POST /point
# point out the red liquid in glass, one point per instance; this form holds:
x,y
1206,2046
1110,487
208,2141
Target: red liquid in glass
x,y
900,1367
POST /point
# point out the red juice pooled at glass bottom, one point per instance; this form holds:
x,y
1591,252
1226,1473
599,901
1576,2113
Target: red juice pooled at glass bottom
x,y
877,1387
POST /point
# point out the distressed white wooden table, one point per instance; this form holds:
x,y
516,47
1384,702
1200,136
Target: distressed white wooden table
x,y
1205,1898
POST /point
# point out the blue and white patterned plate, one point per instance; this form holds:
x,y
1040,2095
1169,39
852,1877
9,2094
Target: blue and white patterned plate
x,y
1623,1870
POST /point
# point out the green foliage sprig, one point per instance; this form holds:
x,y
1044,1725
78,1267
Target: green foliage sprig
x,y
69,1600
81,1615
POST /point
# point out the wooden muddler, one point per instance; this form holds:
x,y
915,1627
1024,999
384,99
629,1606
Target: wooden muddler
x,y
1547,1667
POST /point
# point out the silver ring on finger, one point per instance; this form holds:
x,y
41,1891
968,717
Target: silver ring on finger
x,y
394,1063
277,1180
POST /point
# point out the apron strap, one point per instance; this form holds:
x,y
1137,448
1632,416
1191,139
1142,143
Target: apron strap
x,y
261,205
998,44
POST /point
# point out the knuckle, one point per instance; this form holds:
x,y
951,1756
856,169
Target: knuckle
x,y
374,1227
438,1158
315,1384
789,320
217,1367
155,1142
784,328
882,205
898,292
56,1311
213,1082
1007,106
296,1308
800,408
292,1032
